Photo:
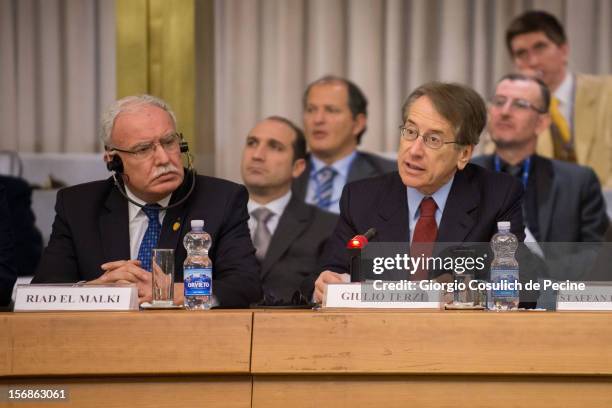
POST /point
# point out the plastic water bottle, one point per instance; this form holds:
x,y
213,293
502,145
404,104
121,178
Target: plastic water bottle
x,y
504,269
197,268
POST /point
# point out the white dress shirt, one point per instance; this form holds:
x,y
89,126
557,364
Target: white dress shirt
x,y
139,222
277,207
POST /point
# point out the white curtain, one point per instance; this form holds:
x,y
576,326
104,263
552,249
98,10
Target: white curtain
x,y
57,60
268,50
57,72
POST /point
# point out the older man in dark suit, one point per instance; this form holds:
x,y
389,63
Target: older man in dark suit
x,y
436,195
335,119
288,234
104,231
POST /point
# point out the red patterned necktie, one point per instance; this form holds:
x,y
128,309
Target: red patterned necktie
x,y
425,233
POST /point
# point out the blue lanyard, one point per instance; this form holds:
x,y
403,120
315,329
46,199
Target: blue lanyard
x,y
526,168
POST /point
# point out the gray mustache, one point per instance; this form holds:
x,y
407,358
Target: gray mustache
x,y
168,168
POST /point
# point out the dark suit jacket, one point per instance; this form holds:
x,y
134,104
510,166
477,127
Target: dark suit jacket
x,y
364,165
91,227
570,204
294,254
478,199
28,240
8,270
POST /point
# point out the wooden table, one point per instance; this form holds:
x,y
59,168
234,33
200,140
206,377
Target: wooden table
x,y
311,358
432,359
131,359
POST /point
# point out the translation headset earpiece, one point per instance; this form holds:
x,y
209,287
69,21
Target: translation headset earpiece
x,y
184,145
115,165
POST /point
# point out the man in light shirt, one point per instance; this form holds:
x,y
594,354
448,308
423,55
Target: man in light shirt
x,y
581,125
288,234
435,194
335,120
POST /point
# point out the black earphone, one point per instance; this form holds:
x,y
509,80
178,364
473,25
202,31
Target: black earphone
x,y
115,164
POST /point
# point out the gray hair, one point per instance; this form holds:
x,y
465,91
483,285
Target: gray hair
x,y
129,104
460,105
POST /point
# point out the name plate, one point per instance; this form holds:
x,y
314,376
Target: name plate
x,y
366,296
595,296
45,297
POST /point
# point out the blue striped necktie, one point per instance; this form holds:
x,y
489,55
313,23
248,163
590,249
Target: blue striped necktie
x,y
151,236
325,187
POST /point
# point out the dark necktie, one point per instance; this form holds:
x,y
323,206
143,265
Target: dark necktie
x,y
325,187
424,235
262,235
514,170
151,236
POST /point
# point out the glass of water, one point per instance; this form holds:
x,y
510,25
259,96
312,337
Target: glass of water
x,y
162,268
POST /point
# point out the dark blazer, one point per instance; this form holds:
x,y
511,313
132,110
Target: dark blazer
x,y
28,240
364,165
91,228
570,204
477,200
8,270
295,250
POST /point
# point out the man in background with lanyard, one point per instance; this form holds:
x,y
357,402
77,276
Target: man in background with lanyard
x,y
563,201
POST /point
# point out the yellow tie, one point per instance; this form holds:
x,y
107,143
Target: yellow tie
x,y
559,120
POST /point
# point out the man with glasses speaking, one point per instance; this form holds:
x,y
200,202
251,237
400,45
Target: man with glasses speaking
x,y
436,195
104,231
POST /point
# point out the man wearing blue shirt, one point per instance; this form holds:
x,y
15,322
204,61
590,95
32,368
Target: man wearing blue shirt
x,y
435,195
335,119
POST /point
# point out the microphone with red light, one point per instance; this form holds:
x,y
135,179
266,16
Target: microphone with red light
x,y
354,247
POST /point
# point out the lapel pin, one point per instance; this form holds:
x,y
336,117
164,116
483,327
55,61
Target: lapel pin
x,y
176,226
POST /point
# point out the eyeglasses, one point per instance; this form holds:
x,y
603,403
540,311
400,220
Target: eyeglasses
x,y
431,140
170,143
499,101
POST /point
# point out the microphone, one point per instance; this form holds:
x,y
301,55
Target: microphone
x,y
354,247
371,233
361,240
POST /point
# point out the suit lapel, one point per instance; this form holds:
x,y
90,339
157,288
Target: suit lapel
x,y
584,108
175,218
463,198
545,195
393,212
292,223
544,145
114,227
